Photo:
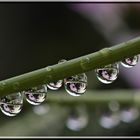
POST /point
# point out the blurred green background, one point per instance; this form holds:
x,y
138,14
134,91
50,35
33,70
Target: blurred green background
x,y
34,35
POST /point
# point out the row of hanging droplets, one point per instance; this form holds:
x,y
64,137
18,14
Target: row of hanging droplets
x,y
75,85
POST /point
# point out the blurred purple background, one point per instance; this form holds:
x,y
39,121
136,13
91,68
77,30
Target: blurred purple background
x,y
109,21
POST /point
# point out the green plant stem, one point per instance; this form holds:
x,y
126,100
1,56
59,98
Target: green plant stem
x,y
72,67
96,97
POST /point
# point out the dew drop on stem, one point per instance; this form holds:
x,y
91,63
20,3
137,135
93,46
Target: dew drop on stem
x,y
130,62
36,95
76,85
12,104
108,74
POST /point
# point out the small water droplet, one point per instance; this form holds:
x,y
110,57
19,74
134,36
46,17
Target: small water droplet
x,y
61,61
48,68
85,60
76,85
55,85
12,104
108,74
130,62
36,95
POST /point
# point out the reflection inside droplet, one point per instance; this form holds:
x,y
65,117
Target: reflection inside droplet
x,y
12,104
130,62
36,95
107,74
76,85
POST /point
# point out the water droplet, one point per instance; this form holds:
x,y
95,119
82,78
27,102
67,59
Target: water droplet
x,y
12,104
109,121
108,74
76,85
55,85
77,120
130,62
48,68
36,95
61,61
129,115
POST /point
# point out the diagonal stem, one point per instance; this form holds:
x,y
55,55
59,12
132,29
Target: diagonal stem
x,y
72,67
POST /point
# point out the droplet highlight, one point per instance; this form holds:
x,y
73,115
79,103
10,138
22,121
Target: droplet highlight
x,y
130,62
36,95
12,104
108,74
76,85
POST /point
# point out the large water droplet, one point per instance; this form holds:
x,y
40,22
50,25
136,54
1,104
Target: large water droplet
x,y
12,104
108,74
55,85
36,95
76,85
130,62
